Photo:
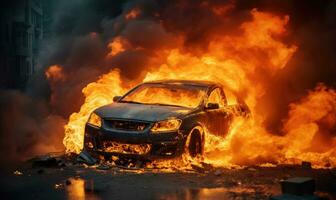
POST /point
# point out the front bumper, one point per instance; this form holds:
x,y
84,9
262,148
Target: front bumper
x,y
136,144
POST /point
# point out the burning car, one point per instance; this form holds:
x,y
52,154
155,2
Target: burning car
x,y
161,119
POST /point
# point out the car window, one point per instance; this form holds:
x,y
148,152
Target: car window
x,y
231,97
167,94
216,97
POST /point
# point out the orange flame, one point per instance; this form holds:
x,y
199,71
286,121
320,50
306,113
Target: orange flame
x,y
118,45
97,94
235,61
55,73
134,13
311,127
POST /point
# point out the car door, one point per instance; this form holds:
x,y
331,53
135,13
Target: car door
x,y
218,119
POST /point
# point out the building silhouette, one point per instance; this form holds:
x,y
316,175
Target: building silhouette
x,y
21,34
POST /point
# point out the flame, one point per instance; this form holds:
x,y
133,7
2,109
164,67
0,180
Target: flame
x,y
310,136
181,97
134,13
97,94
117,46
311,127
55,73
239,62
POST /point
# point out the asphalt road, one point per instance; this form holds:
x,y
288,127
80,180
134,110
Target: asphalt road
x,y
82,182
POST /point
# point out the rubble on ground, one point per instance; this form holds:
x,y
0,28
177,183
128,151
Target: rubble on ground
x,y
17,173
297,188
86,158
294,179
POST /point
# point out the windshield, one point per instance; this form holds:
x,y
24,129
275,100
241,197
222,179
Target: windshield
x,y
188,96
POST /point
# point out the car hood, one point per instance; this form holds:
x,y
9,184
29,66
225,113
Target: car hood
x,y
140,111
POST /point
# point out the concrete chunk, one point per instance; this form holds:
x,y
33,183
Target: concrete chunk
x,y
85,157
45,161
298,186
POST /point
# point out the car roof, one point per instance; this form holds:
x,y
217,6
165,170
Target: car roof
x,y
186,82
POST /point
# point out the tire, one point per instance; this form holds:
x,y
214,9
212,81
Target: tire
x,y
194,143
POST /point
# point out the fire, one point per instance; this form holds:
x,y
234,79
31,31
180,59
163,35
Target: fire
x,y
97,94
55,73
239,62
117,46
311,127
310,136
182,97
134,13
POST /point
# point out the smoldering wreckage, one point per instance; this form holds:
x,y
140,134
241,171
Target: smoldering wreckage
x,y
280,140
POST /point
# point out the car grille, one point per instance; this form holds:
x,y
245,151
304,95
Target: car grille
x,y
126,125
115,147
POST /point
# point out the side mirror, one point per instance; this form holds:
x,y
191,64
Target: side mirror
x,y
116,98
212,106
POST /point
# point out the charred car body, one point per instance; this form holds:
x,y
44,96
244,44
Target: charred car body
x,y
161,119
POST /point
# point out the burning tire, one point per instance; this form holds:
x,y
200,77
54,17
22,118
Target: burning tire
x,y
194,144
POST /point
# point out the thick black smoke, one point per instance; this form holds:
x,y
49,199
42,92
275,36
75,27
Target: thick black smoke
x,y
81,31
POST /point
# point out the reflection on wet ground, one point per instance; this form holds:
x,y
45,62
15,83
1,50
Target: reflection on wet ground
x,y
213,194
77,182
79,189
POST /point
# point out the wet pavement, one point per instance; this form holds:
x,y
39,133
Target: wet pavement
x,y
83,182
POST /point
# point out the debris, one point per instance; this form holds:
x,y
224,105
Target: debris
x,y
198,168
85,165
207,166
17,173
45,161
114,158
86,158
50,160
58,185
128,167
218,172
306,165
61,163
251,169
103,167
298,186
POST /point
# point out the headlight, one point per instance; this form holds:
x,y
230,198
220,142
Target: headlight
x,y
95,120
166,125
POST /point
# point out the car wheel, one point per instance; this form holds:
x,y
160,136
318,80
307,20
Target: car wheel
x,y
194,144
